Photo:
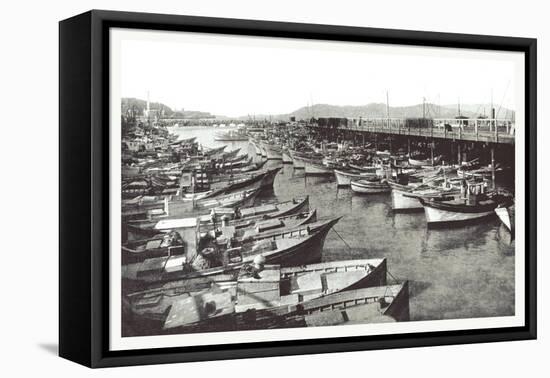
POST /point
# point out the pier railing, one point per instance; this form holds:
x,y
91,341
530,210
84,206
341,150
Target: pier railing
x,y
468,129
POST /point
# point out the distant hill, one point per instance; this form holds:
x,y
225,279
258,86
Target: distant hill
x,y
373,110
378,110
137,106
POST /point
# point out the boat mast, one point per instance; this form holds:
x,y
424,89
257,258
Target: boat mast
x,y
388,115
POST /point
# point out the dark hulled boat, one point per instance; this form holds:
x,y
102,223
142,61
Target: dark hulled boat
x,y
295,247
271,287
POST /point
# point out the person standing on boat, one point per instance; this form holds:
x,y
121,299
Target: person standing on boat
x,y
213,217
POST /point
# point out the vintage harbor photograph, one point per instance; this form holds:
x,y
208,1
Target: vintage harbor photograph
x,y
271,184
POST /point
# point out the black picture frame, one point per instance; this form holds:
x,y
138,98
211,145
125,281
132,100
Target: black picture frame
x,y
84,183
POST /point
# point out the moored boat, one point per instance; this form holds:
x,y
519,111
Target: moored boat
x,y
409,199
230,136
259,228
245,217
295,247
379,304
345,177
370,187
475,204
313,166
424,162
166,244
273,151
269,287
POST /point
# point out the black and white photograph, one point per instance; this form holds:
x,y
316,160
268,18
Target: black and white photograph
x,y
272,188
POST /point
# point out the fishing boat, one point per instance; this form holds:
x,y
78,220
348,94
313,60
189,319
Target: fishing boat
x,y
269,287
308,154
296,247
185,208
388,303
273,228
229,156
231,136
403,200
474,204
241,199
165,244
424,162
379,304
370,187
183,141
213,152
257,227
345,177
263,180
312,166
273,151
246,217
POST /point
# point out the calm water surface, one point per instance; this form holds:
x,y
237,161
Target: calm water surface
x,y
458,272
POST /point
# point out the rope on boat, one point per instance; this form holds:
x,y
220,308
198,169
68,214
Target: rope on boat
x,y
341,238
392,277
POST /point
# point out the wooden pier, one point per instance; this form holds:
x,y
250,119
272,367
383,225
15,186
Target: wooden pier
x,y
500,131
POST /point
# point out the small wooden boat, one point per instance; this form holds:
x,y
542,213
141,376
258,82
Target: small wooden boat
x,y
229,156
273,151
231,136
298,155
262,180
409,200
313,166
259,227
240,199
270,287
184,208
472,207
243,218
295,247
213,152
380,304
370,187
345,177
184,141
424,162
166,244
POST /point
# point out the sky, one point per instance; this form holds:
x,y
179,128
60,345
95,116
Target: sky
x,y
238,76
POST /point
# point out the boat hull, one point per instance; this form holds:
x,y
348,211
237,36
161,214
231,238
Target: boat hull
x,y
404,200
444,213
313,167
345,178
273,152
375,188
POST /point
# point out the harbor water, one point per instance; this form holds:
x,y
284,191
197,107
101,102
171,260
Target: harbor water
x,y
454,272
